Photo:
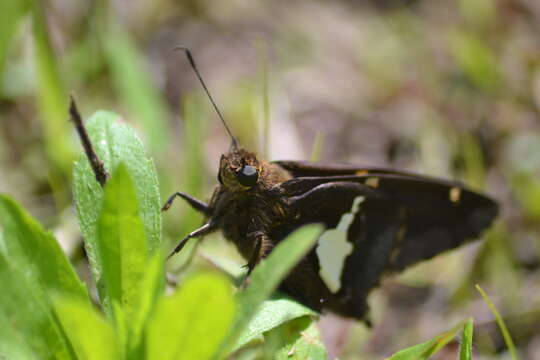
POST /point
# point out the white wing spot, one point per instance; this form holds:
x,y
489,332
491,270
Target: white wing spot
x,y
333,248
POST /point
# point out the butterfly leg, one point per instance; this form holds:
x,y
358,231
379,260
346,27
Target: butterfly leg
x,y
261,249
203,230
194,203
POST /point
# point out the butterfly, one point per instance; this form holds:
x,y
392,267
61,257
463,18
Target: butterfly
x,y
383,220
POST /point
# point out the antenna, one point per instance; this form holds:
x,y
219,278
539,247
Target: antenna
x,y
196,70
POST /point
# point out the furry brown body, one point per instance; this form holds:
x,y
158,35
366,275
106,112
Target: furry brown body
x,y
404,218
258,218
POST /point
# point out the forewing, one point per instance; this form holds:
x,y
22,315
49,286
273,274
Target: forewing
x,y
311,169
404,219
440,214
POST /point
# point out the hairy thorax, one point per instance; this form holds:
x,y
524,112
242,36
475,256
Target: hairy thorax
x,y
259,208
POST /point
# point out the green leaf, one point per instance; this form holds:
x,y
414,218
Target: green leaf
x,y
115,142
504,330
151,288
465,348
429,348
271,314
192,323
299,339
91,336
28,246
29,329
268,275
32,269
122,244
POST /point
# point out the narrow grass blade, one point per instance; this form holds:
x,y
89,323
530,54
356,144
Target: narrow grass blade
x,y
11,13
134,85
429,348
52,96
465,348
506,335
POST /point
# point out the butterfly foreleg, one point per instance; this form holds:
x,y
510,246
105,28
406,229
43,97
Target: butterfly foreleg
x,y
194,203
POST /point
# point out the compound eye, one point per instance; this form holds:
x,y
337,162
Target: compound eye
x,y
248,176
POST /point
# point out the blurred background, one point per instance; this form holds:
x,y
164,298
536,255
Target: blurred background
x,y
446,88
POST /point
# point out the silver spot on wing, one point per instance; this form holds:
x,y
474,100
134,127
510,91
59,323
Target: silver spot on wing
x,y
333,248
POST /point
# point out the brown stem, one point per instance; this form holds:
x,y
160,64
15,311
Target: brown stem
x,y
97,165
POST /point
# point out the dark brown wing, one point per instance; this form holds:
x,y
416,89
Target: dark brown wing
x,y
440,215
404,219
313,169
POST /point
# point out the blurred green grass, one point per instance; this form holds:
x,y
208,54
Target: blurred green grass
x,y
449,89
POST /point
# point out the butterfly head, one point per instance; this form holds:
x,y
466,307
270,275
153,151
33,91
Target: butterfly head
x,y
239,170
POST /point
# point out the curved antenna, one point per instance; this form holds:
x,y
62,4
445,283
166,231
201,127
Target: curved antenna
x,y
234,143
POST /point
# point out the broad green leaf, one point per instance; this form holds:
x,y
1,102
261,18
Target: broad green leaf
x,y
91,336
465,348
192,323
504,330
28,246
300,340
268,275
271,314
151,288
429,348
115,142
29,328
122,244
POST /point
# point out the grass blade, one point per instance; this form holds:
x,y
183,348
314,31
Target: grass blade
x,y
11,12
465,348
506,335
134,85
425,350
52,96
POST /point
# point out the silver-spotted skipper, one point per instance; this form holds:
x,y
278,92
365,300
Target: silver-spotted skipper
x,y
390,219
